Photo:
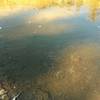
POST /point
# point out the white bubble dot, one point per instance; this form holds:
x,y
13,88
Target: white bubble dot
x,y
0,27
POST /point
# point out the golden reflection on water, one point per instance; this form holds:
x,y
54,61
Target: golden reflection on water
x,y
92,5
79,67
46,3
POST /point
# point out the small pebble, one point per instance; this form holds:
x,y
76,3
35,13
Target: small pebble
x,y
2,92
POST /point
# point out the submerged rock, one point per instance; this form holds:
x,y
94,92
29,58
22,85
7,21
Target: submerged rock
x,y
8,91
3,94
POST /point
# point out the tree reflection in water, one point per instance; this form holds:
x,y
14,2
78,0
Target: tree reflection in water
x,y
93,5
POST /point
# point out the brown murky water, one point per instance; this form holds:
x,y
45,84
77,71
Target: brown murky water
x,y
50,50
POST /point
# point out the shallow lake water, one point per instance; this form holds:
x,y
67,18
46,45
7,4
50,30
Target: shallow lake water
x,y
50,54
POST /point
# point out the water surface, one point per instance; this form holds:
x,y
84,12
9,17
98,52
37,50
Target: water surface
x,y
50,53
